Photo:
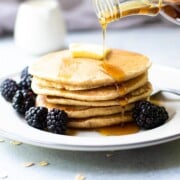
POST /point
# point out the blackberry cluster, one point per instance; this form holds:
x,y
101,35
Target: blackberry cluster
x,y
57,121
20,94
8,89
23,100
54,121
26,79
148,115
36,116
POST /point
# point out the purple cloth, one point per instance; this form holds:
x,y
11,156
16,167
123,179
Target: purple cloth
x,y
78,15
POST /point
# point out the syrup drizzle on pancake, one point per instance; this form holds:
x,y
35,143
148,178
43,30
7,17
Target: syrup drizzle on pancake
x,y
115,72
122,89
124,101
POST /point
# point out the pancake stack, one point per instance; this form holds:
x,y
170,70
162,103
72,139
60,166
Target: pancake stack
x,y
94,93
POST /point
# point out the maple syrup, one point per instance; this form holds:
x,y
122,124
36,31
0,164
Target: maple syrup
x,y
122,89
111,10
120,10
172,12
124,101
128,8
71,132
113,70
116,130
121,129
104,27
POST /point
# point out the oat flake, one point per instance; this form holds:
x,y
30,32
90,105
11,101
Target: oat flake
x,y
43,163
2,140
15,142
109,155
28,164
80,177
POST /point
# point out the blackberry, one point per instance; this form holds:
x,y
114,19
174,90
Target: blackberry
x,y
57,121
36,117
148,115
25,82
8,89
24,72
23,100
26,79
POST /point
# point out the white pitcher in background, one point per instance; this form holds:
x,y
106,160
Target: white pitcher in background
x,y
39,27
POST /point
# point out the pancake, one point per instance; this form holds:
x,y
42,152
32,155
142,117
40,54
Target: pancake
x,y
98,94
103,93
65,101
81,117
84,73
138,94
102,121
130,98
84,111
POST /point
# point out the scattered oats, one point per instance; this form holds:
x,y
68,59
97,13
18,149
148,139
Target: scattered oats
x,y
3,174
80,177
28,164
43,163
109,155
15,142
2,140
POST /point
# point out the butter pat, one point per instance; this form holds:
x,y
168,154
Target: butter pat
x,y
83,50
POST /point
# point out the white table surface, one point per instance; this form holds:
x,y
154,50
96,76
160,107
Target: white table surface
x,y
162,45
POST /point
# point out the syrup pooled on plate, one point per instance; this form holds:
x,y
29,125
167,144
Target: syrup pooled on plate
x,y
122,129
116,130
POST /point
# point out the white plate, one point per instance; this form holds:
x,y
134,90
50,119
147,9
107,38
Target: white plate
x,y
14,127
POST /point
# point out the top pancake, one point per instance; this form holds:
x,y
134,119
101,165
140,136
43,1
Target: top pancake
x,y
87,73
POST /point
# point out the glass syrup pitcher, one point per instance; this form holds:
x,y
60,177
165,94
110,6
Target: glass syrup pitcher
x,y
112,10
